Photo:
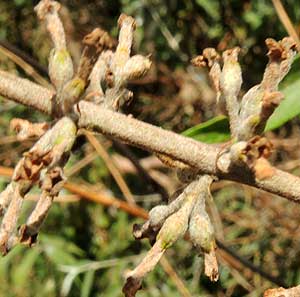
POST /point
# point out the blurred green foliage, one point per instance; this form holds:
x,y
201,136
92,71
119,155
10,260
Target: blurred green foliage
x,y
85,248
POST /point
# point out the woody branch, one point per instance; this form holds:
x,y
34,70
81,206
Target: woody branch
x,y
102,78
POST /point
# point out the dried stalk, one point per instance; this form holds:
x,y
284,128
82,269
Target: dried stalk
x,y
111,166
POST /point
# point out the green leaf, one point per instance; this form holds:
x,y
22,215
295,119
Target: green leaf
x,y
6,261
212,131
87,284
60,251
212,8
290,105
23,269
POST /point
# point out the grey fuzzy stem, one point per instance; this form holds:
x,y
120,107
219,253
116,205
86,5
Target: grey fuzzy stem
x,y
232,107
193,153
47,152
26,92
146,136
39,214
10,219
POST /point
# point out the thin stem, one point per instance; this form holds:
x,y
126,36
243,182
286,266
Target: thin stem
x,y
111,166
286,21
26,92
25,66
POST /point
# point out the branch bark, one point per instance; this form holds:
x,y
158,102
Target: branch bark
x,y
26,92
154,139
193,153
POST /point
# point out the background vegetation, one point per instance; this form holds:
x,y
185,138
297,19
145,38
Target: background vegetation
x,y
85,247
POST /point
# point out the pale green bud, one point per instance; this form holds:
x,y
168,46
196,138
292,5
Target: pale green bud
x,y
231,76
176,225
201,230
60,67
71,93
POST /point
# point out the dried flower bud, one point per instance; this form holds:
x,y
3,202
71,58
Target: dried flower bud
x,y
231,77
200,227
256,107
48,10
127,26
281,54
211,58
176,225
230,85
26,130
136,67
94,43
211,265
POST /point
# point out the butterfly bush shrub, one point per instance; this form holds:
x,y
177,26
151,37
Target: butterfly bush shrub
x,y
91,97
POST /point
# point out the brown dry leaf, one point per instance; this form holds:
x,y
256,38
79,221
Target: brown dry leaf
x,y
26,130
281,292
263,169
257,147
211,265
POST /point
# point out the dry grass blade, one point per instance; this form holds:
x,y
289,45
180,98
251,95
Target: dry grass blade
x,y
81,164
111,166
174,276
25,66
286,21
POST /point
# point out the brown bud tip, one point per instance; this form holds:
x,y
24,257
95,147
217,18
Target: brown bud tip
x,y
131,287
98,38
231,55
278,50
124,18
257,147
45,7
25,236
270,101
199,61
211,55
208,58
211,266
275,50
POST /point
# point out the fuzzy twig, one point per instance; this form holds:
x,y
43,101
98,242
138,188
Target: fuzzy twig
x,y
281,292
48,152
26,92
194,153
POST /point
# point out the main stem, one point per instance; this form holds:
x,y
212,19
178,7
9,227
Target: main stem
x,y
201,156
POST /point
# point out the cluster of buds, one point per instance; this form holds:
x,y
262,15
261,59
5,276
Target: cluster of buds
x,y
184,216
115,69
102,77
102,74
99,67
41,165
249,115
